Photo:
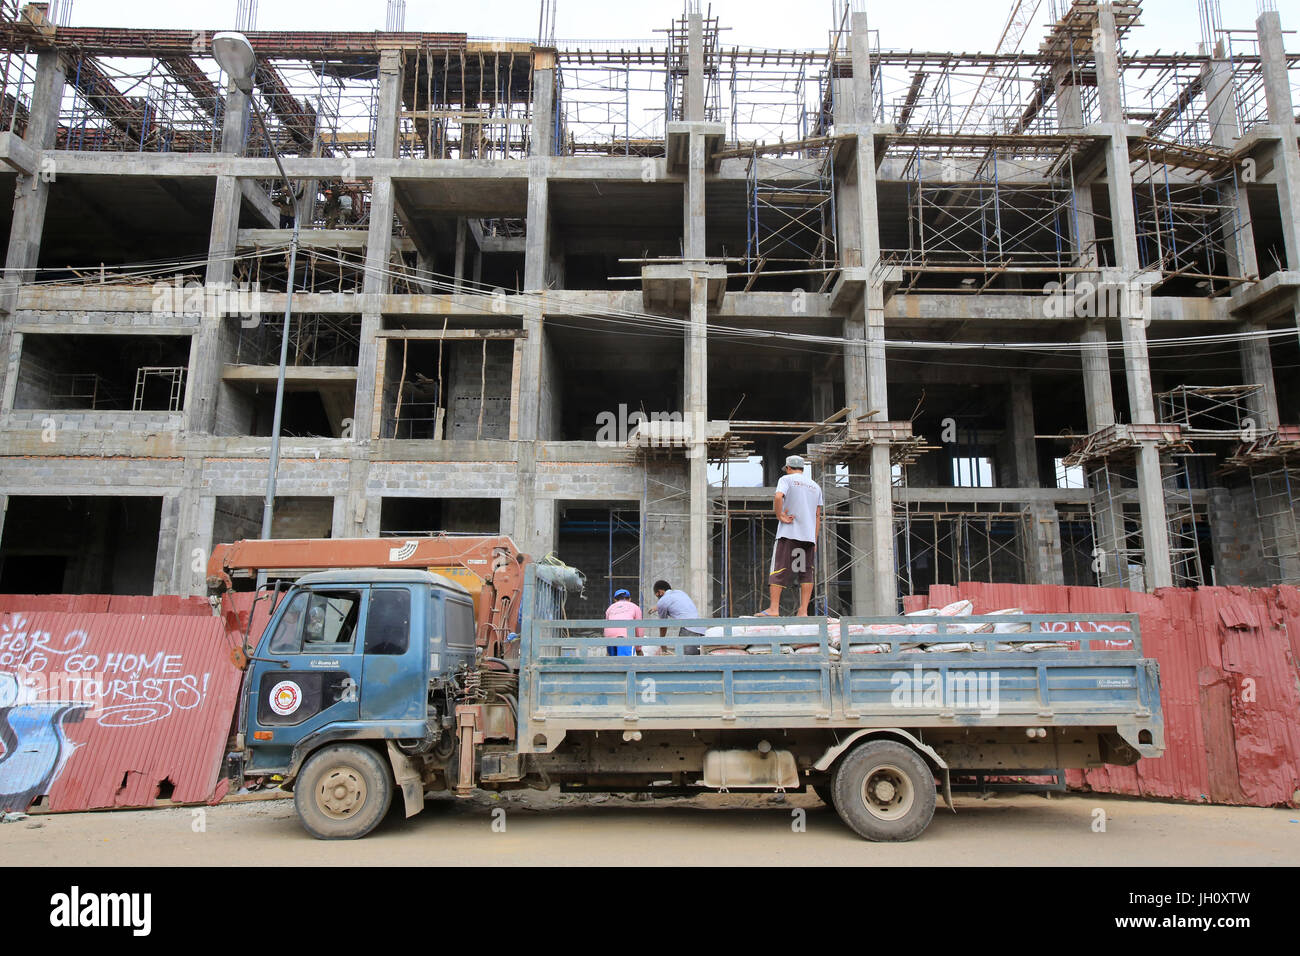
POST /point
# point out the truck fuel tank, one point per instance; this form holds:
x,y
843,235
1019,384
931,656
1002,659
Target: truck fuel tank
x,y
724,769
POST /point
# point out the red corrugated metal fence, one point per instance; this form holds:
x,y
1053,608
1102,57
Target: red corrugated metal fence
x,y
1229,684
114,709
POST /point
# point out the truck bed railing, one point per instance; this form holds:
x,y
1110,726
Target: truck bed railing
x,y
1092,632
547,635
1086,671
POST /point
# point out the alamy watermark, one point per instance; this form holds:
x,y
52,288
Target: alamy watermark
x,y
951,689
1085,299
214,300
614,427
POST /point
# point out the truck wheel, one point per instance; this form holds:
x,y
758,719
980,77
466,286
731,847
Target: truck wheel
x,y
343,792
825,792
884,791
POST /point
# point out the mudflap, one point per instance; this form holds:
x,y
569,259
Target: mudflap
x,y
408,777
947,789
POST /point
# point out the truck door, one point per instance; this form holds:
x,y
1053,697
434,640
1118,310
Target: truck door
x,y
396,678
311,672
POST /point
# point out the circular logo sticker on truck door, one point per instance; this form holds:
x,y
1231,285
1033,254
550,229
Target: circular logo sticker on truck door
x,y
286,697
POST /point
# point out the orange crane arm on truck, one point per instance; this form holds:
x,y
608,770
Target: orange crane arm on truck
x,y
490,568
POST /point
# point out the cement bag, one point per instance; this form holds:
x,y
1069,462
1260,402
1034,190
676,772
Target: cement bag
x,y
1015,628
956,609
766,630
1032,646
869,649
949,648
969,629
862,630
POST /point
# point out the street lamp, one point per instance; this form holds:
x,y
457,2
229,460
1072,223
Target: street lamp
x,y
234,54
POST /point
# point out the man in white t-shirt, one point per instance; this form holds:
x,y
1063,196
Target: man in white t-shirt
x,y
798,506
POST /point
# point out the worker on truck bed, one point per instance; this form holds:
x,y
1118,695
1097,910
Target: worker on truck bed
x,y
798,506
623,609
676,604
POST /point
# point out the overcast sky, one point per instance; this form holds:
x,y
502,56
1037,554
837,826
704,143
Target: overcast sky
x,y
959,25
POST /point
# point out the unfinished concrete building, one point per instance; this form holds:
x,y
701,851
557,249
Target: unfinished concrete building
x,y
1031,313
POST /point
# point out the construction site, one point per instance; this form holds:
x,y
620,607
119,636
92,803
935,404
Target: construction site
x,y
1030,313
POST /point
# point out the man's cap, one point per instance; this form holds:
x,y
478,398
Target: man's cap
x,y
622,592
794,461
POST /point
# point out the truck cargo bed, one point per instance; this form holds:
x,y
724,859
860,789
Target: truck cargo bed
x,y
1101,681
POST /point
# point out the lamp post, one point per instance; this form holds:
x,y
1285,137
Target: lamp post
x,y
235,55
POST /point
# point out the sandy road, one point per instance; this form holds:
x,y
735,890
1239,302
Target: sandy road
x,y
719,829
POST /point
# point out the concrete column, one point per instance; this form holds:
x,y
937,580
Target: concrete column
x,y
1097,395
1084,228
203,384
388,123
1224,131
225,208
696,411
1137,369
193,527
531,536
363,517
379,239
542,131
340,523
172,559
865,380
1257,369
1020,428
695,69
696,341
1281,113
696,368
31,193
462,235
376,284
1043,560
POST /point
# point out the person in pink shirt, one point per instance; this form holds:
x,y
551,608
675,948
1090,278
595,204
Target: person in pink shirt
x,y
623,609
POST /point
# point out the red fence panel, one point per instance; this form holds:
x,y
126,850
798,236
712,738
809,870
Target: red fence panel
x,y
1229,684
109,710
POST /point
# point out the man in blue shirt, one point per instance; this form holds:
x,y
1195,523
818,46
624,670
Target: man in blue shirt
x,y
676,604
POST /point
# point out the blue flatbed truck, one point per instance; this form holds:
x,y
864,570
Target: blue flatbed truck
x,y
369,683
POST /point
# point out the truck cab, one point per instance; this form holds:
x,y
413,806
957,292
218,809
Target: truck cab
x,y
355,665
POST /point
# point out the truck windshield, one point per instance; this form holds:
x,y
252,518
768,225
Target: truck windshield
x,y
317,618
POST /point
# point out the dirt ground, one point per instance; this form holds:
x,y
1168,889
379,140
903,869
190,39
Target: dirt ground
x,y
729,830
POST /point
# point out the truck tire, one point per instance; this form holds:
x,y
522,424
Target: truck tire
x,y
342,792
884,791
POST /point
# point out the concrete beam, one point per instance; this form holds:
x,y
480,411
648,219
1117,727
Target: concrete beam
x,y
353,239
668,288
679,140
18,154
260,203
299,377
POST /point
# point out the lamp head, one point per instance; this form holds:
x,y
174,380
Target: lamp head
x,y
235,55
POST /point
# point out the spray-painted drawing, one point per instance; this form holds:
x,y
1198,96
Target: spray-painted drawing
x,y
35,747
